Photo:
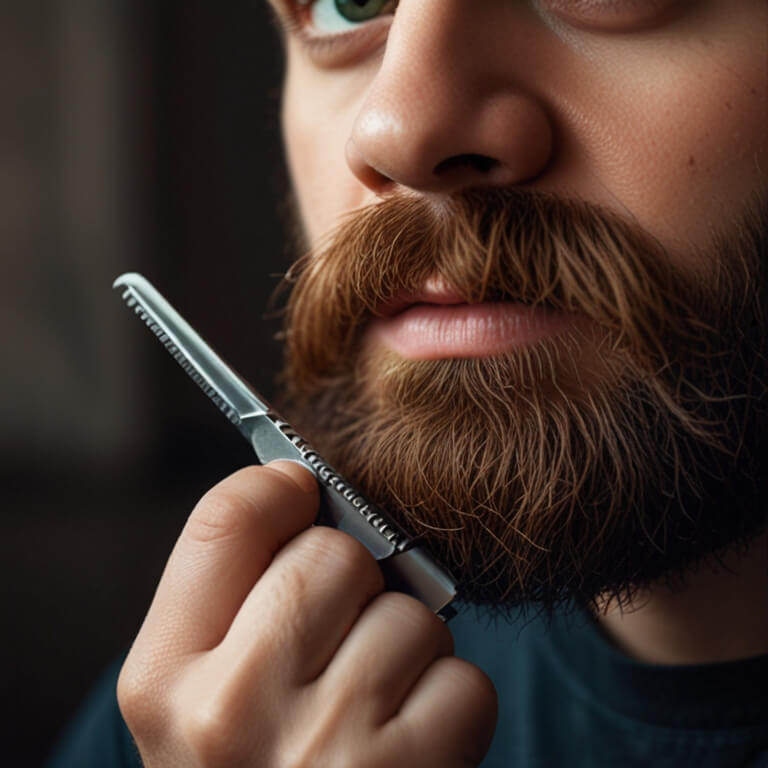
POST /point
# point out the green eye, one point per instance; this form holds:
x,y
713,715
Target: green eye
x,y
333,16
359,10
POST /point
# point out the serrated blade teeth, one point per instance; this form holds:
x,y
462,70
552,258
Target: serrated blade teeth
x,y
231,395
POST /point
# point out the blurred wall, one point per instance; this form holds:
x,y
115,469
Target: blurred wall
x,y
71,216
133,136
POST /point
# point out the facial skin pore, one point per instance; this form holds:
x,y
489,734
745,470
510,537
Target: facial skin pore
x,y
654,111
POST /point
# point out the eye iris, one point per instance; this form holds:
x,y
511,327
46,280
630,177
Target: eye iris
x,y
359,10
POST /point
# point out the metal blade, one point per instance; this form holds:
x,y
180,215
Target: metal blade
x,y
234,398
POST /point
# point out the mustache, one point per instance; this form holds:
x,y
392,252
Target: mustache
x,y
496,244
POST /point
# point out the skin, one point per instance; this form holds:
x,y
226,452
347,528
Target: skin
x,y
256,648
720,615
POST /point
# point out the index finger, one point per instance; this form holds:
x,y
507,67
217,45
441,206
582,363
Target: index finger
x,y
227,543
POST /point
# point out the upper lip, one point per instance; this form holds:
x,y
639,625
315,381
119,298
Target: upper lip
x,y
434,291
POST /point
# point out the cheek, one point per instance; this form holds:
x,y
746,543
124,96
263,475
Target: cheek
x,y
697,160
681,140
319,109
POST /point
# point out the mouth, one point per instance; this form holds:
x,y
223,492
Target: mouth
x,y
438,323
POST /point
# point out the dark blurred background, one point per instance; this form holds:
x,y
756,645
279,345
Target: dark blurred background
x,y
133,136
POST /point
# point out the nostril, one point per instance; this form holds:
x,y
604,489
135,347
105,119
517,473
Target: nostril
x,y
480,163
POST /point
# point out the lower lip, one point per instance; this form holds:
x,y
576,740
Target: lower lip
x,y
434,331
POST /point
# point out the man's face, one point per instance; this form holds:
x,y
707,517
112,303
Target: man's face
x,y
651,113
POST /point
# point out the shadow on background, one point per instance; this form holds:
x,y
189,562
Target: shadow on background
x,y
134,136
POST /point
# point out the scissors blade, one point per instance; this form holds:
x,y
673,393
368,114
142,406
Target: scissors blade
x,y
234,398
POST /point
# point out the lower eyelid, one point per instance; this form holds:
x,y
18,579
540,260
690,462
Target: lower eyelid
x,y
343,48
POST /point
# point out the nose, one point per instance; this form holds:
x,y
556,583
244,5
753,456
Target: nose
x,y
448,108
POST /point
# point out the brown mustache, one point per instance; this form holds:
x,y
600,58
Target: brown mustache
x,y
491,245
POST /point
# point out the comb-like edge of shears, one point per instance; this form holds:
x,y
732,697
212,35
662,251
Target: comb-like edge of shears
x,y
407,567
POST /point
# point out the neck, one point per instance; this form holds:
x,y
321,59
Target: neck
x,y
720,614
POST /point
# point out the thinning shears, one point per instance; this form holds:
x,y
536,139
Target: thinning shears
x,y
407,567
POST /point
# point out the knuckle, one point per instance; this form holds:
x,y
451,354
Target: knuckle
x,y
137,701
339,555
417,618
408,609
477,690
207,729
130,696
291,587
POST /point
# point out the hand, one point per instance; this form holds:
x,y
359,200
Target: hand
x,y
271,644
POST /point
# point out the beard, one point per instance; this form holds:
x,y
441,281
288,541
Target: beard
x,y
584,466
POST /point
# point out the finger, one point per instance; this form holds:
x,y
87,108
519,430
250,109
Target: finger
x,y
450,713
298,614
226,545
386,652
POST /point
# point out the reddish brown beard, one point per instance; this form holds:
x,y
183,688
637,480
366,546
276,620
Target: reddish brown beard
x,y
584,465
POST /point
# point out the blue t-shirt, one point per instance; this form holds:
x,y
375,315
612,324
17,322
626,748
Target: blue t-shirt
x,y
567,699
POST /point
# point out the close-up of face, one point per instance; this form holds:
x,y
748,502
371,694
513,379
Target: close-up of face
x,y
530,320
